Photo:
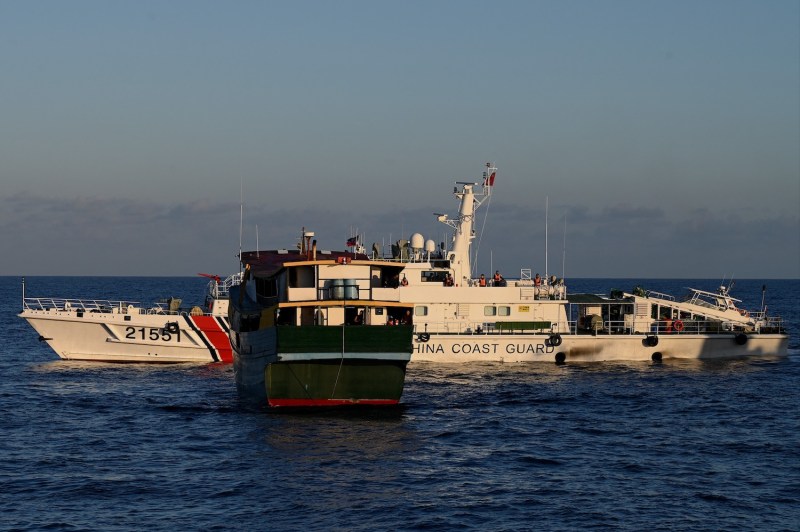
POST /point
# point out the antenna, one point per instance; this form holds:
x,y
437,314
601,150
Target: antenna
x,y
546,214
241,220
564,249
257,248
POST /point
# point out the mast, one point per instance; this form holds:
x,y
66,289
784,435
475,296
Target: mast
x,y
241,220
546,248
463,225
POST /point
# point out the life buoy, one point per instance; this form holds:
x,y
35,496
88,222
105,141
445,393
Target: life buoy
x,y
555,340
677,325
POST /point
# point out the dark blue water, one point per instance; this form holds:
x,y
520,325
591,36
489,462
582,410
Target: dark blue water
x,y
672,446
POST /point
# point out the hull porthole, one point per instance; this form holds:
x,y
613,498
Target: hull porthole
x,y
656,357
740,339
561,358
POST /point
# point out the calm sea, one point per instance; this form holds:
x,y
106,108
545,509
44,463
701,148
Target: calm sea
x,y
672,446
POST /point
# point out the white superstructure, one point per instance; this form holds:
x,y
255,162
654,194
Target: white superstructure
x,y
460,317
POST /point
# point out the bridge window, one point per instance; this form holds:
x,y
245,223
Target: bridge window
x,y
433,276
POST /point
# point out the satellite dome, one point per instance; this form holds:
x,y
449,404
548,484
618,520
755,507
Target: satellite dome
x,y
417,241
430,246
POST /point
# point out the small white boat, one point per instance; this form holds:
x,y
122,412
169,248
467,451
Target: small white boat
x,y
126,331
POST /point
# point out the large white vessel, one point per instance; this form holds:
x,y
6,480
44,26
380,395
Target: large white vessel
x,y
127,331
459,317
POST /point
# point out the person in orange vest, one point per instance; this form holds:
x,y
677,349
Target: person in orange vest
x,y
482,280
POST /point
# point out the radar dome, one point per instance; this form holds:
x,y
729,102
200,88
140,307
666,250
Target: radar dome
x,y
416,241
430,246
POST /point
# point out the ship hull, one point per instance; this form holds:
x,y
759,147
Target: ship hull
x,y
289,366
114,337
589,348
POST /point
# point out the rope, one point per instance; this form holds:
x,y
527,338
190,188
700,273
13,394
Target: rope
x,y
478,246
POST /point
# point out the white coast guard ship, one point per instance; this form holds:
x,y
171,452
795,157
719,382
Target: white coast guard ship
x,y
459,317
127,331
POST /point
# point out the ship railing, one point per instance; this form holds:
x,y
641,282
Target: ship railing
x,y
659,295
771,324
221,289
102,306
658,327
605,327
85,305
757,315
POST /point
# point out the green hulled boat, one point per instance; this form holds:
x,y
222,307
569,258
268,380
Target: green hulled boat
x,y
312,328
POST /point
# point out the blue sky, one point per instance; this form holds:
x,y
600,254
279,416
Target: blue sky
x,y
664,135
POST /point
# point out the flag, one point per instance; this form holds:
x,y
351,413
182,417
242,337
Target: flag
x,y
489,181
352,241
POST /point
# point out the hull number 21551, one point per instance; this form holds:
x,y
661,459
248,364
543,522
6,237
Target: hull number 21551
x,y
152,333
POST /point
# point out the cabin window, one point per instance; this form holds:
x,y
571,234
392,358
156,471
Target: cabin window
x,y
301,277
433,277
286,316
503,311
266,288
420,311
489,310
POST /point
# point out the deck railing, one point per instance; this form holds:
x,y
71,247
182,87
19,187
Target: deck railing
x,y
93,305
599,328
221,289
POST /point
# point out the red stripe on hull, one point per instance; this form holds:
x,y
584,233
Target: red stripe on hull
x,y
331,402
216,336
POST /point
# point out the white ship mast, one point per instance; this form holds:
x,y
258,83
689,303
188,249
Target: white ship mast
x,y
463,226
